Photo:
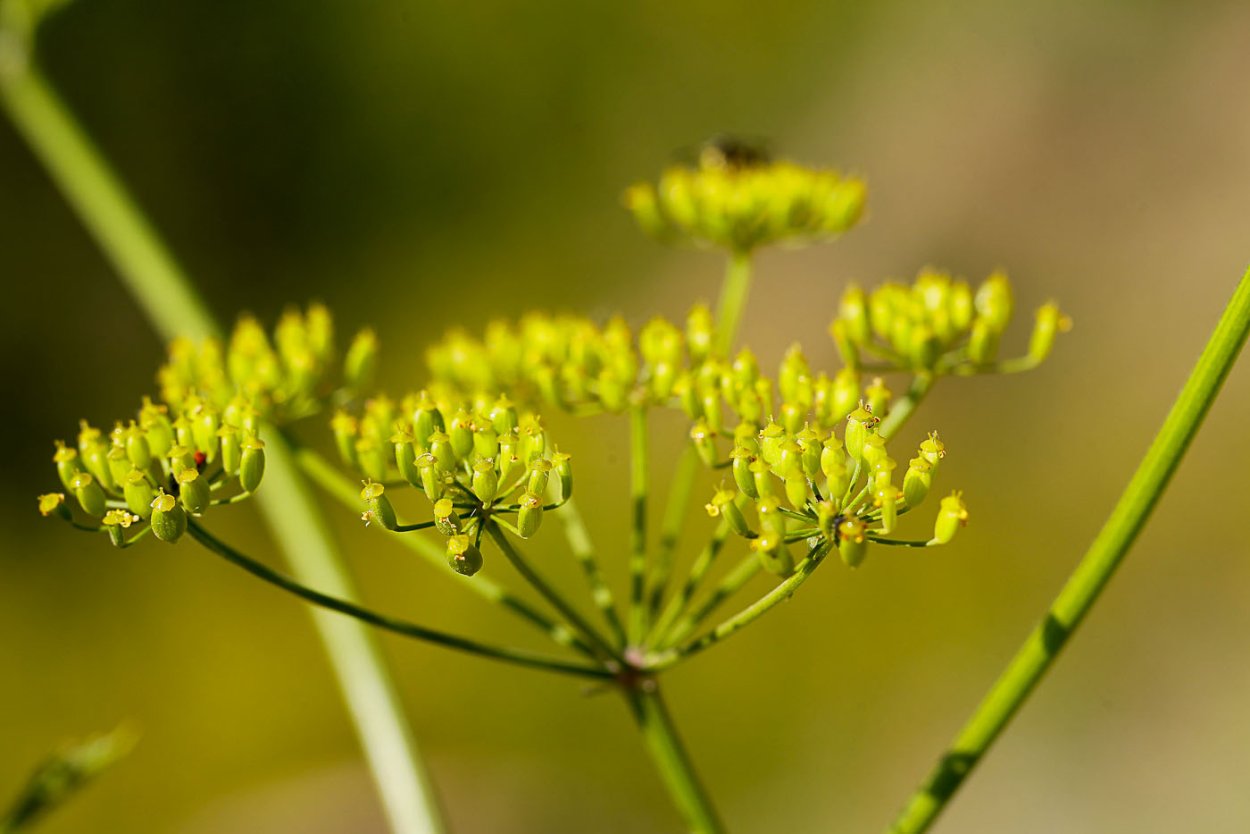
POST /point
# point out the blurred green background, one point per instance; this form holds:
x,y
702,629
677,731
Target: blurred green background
x,y
419,165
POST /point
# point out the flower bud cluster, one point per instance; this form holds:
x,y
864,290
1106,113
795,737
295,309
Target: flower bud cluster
x,y
812,485
283,378
158,469
939,324
472,459
742,204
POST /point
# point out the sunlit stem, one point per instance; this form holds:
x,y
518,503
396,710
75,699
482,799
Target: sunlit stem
x,y
584,551
638,487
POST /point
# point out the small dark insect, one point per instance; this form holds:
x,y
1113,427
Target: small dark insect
x,y
724,150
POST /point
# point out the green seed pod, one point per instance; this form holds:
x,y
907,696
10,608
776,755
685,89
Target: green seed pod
x,y
873,450
792,417
773,553
886,497
844,395
952,514
917,481
180,458
89,493
878,397
485,440
688,396
533,439
1049,323
796,490
924,348
771,518
183,435
463,556
426,420
811,447
157,429
852,543
993,302
445,519
231,449
432,480
53,503
530,515
139,492
960,306
119,466
441,449
761,477
346,431
169,520
485,481
746,436
137,448
724,503
771,438
204,428
562,464
933,450
406,456
539,473
794,377
859,424
68,464
503,416
378,507
704,442
193,491
854,311
982,342
252,464
360,363
700,329
741,467
461,434
789,458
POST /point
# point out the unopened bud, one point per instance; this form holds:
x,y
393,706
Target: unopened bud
x,y
463,556
169,519
378,506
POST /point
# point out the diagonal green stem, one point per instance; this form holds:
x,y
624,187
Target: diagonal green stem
x,y
1082,589
677,605
340,487
671,759
733,582
638,472
902,409
584,552
172,306
779,594
519,657
540,584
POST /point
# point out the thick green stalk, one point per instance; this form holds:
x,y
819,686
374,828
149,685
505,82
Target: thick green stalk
x,y
779,594
671,760
638,473
405,628
173,307
1082,589
341,488
902,409
733,300
680,492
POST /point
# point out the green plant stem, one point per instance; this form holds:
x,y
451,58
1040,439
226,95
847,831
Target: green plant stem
x,y
174,309
341,488
677,605
584,552
584,629
671,760
1082,589
733,299
779,594
638,472
733,582
519,657
902,409
675,513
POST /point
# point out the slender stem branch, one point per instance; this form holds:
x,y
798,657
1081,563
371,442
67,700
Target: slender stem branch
x,y
671,760
519,657
733,582
902,409
677,605
748,615
584,629
680,492
1082,589
638,473
584,551
733,299
173,307
342,489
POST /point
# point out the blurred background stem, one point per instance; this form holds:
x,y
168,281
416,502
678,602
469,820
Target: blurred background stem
x,y
174,308
1083,587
